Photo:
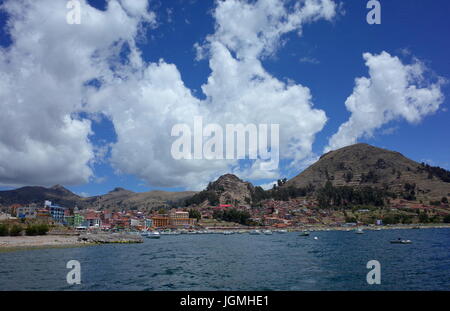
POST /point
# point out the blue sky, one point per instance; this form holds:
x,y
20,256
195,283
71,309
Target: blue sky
x,y
326,58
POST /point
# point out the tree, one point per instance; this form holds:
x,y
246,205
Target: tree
x,y
233,215
423,217
444,200
193,213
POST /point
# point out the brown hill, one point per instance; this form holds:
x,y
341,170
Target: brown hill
x,y
366,165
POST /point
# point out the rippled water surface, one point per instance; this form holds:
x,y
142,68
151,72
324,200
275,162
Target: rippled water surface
x,y
334,261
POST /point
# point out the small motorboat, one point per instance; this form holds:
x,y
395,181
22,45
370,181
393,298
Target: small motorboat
x,y
255,232
359,231
267,232
401,241
304,233
144,233
153,235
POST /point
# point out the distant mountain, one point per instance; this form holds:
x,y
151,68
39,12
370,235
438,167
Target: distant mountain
x,y
365,165
26,195
356,166
118,198
126,199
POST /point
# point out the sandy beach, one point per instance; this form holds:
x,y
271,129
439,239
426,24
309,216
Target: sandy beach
x,y
22,242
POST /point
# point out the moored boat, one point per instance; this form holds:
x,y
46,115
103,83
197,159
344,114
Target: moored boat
x,y
401,241
153,235
255,232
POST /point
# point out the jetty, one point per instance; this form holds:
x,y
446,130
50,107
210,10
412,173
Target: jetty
x,y
105,238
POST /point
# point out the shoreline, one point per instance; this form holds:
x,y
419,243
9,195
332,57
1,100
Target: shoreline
x,y
376,228
11,244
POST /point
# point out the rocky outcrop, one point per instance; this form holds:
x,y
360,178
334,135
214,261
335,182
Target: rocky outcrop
x,y
230,189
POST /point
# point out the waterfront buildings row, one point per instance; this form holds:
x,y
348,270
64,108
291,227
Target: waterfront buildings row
x,y
106,219
271,213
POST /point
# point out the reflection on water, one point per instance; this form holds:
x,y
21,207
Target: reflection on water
x,y
335,261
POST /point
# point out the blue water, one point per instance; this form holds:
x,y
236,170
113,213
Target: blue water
x,y
335,261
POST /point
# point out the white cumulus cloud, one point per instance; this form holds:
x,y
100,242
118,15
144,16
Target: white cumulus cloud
x,y
392,91
44,86
151,99
43,140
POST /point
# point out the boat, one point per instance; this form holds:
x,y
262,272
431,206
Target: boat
x,y
304,233
153,235
255,232
267,232
359,231
227,232
282,231
401,241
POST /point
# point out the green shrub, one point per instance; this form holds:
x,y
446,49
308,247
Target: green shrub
x,y
4,229
31,230
15,230
40,229
447,219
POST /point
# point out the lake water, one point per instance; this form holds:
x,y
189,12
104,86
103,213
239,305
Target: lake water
x,y
334,261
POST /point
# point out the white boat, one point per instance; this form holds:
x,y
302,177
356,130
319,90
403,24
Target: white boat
x,y
282,231
255,232
227,232
267,232
401,241
359,231
144,233
153,235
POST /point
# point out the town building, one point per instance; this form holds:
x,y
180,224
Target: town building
x,y
75,220
28,212
180,219
56,212
160,221
148,223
